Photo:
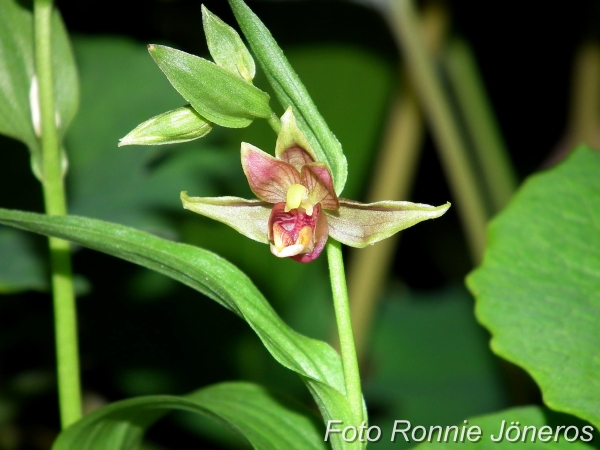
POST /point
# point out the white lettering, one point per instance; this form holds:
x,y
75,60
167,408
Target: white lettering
x,y
588,433
331,430
396,430
500,433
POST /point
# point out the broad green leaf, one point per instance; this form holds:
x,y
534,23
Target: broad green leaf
x,y
217,94
268,421
316,362
18,70
538,289
291,92
173,127
538,428
226,47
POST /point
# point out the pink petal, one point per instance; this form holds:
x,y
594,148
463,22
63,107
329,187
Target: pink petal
x,y
317,179
359,224
248,217
269,178
297,157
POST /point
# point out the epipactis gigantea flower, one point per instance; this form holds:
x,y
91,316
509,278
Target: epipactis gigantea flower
x,y
297,207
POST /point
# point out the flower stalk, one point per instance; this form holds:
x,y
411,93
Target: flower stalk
x,y
55,203
341,307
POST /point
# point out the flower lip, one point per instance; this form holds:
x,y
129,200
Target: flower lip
x,y
296,234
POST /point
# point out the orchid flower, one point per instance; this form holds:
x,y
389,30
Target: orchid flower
x,y
297,207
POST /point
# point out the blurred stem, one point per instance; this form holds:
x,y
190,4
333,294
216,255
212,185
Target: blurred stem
x,y
584,117
481,124
341,307
395,169
452,148
65,321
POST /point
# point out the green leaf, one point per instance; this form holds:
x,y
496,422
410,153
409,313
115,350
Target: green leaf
x,y
214,92
172,127
538,289
18,69
316,362
291,92
532,417
268,421
226,47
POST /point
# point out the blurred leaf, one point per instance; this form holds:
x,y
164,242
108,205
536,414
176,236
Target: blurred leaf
x,y
291,92
529,416
214,92
317,363
430,363
226,47
172,127
21,268
264,419
538,289
18,69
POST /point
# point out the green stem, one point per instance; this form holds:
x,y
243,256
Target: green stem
x,y
341,306
450,143
275,123
55,204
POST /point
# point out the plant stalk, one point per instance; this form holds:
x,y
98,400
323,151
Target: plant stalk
x,y
482,126
395,169
341,306
451,145
65,320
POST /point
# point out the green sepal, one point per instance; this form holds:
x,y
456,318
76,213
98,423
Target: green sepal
x,y
248,217
291,92
217,94
226,47
172,127
360,224
290,136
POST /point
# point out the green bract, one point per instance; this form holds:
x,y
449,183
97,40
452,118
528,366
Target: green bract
x,y
179,125
217,94
226,47
291,92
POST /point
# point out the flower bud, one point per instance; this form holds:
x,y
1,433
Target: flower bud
x,y
179,125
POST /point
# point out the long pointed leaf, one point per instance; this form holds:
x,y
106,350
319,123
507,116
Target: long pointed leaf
x,y
266,420
291,92
315,361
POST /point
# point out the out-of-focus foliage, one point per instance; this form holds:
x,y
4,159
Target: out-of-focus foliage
x,y
430,364
19,108
538,290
